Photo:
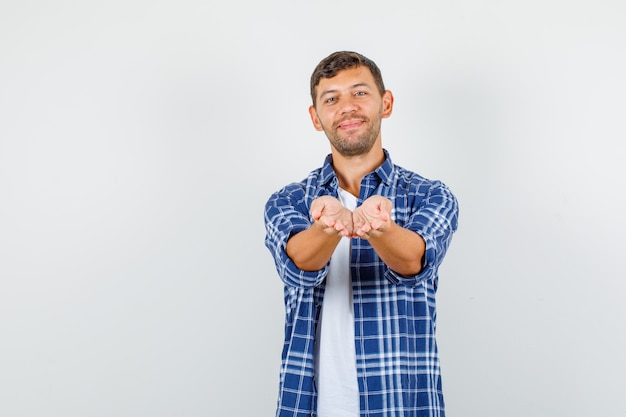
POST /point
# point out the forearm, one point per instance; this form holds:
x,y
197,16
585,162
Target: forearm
x,y
400,249
312,248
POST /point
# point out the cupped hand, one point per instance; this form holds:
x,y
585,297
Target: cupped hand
x,y
372,217
332,216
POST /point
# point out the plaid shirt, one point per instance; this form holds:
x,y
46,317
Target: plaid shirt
x,y
396,352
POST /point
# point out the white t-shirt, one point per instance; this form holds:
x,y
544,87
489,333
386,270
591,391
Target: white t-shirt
x,y
337,386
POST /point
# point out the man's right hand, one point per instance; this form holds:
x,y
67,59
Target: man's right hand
x,y
332,216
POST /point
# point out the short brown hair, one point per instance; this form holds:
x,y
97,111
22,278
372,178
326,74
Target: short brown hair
x,y
341,60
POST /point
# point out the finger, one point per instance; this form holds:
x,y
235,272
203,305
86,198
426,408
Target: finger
x,y
342,228
327,222
365,228
379,222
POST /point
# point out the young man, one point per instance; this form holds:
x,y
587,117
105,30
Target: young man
x,y
358,244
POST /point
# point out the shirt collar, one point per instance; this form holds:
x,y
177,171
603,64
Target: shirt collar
x,y
384,171
328,173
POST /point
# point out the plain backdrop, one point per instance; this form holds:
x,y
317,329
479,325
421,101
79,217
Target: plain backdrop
x,y
139,141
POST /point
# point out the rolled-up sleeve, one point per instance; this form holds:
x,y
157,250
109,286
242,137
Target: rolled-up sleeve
x,y
286,213
435,219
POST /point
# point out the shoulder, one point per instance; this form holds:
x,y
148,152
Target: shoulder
x,y
411,180
418,190
297,192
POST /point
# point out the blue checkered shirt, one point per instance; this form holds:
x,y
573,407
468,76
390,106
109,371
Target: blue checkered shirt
x,y
394,316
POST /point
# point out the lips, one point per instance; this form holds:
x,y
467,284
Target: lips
x,y
350,124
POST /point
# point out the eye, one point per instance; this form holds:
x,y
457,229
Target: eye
x,y
330,100
360,93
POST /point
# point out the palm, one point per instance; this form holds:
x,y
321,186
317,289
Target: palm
x,y
373,214
332,215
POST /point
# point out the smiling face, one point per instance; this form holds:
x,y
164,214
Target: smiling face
x,y
349,109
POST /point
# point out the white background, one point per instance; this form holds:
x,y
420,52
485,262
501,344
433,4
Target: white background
x,y
139,141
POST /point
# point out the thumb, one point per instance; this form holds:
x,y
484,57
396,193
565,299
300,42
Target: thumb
x,y
384,216
316,209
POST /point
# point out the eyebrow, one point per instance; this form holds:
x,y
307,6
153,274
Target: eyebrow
x,y
353,86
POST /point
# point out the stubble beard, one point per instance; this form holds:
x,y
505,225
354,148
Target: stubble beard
x,y
349,145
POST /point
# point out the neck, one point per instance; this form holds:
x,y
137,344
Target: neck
x,y
351,170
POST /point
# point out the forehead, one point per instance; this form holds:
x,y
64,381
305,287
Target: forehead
x,y
346,79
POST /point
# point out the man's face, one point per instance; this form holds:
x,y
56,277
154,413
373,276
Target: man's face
x,y
349,110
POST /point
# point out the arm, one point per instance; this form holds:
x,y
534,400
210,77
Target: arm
x,y
402,250
312,248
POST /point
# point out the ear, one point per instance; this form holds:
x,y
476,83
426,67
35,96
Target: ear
x,y
315,119
387,104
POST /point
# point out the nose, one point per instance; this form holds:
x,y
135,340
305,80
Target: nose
x,y
348,105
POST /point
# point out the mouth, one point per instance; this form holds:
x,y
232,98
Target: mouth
x,y
350,124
